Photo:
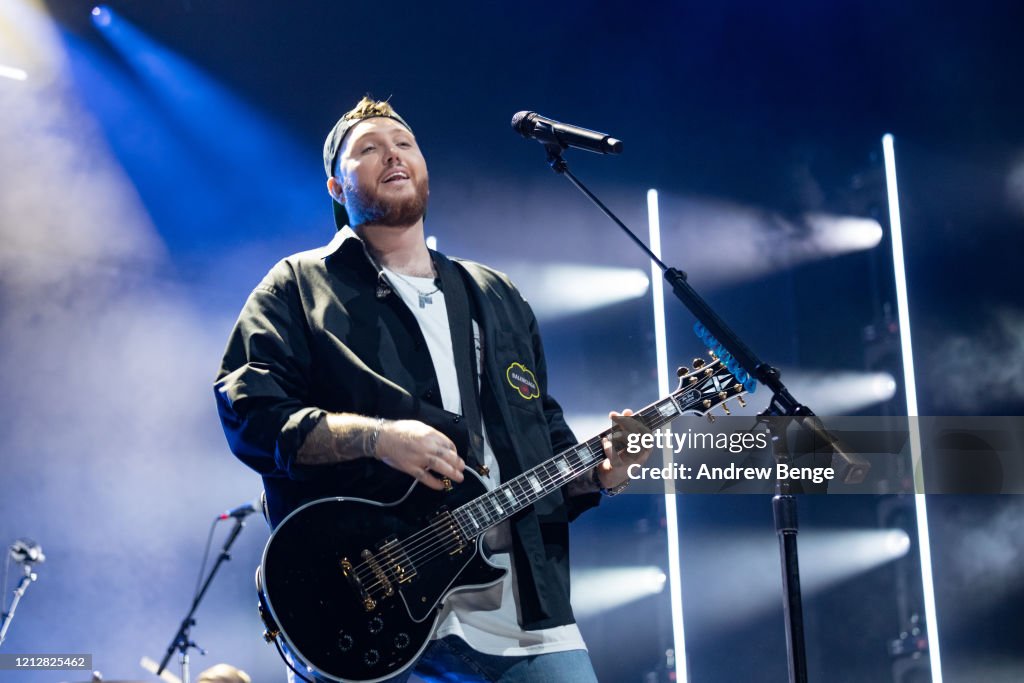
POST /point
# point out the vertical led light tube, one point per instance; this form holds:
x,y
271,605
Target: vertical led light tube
x,y
910,389
671,518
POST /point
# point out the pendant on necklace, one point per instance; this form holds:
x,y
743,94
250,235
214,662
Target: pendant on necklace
x,y
425,299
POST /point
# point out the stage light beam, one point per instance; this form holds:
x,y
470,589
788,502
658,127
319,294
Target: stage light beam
x,y
841,392
13,73
828,558
560,289
590,588
830,234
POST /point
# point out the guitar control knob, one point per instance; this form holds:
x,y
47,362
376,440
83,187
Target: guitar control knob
x,y
371,657
376,625
345,642
402,641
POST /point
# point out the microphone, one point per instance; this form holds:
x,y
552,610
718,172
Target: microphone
x,y
27,551
530,124
243,510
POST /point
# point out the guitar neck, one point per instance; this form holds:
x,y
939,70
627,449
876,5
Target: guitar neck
x,y
479,515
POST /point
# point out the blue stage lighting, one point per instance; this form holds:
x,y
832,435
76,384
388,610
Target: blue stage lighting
x,y
101,16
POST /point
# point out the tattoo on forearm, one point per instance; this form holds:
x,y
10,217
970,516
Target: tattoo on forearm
x,y
338,437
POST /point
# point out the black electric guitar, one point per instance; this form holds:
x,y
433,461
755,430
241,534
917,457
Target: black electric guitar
x,y
353,588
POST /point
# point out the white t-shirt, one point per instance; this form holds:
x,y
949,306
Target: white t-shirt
x,y
487,618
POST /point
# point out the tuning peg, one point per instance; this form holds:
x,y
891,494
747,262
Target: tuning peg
x,y
709,372
713,355
743,404
725,407
698,363
707,403
693,379
682,370
711,418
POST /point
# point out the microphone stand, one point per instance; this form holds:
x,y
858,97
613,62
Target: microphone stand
x,y
7,617
749,370
182,640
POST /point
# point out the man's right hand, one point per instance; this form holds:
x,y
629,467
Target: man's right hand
x,y
420,451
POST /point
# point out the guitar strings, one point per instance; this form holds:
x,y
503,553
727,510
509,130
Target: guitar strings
x,y
413,547
431,547
425,546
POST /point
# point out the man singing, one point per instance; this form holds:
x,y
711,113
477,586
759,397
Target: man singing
x,y
361,366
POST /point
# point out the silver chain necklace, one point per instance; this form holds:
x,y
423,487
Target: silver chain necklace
x,y
424,297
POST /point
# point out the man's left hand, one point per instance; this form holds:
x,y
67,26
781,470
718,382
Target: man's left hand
x,y
613,471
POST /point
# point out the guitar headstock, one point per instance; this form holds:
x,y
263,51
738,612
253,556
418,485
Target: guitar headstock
x,y
709,384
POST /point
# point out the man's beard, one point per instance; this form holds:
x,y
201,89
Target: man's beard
x,y
367,206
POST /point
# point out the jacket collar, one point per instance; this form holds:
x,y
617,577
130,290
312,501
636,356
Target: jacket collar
x,y
346,238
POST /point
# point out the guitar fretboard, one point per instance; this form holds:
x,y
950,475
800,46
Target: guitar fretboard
x,y
479,515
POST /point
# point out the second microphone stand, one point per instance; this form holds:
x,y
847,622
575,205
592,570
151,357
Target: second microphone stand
x,y
182,641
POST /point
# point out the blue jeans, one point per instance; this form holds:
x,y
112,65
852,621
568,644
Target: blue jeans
x,y
451,660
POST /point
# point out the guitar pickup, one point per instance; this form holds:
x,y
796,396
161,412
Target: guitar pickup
x,y
448,530
397,561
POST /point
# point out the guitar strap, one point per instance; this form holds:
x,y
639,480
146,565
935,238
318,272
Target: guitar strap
x,y
460,321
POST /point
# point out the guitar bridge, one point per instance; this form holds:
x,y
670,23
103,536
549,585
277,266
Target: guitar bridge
x,y
396,561
350,575
378,572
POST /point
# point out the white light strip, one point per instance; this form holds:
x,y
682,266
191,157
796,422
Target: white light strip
x,y
13,73
901,274
657,278
910,389
675,581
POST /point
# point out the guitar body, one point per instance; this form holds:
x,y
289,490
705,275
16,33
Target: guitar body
x,y
355,587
